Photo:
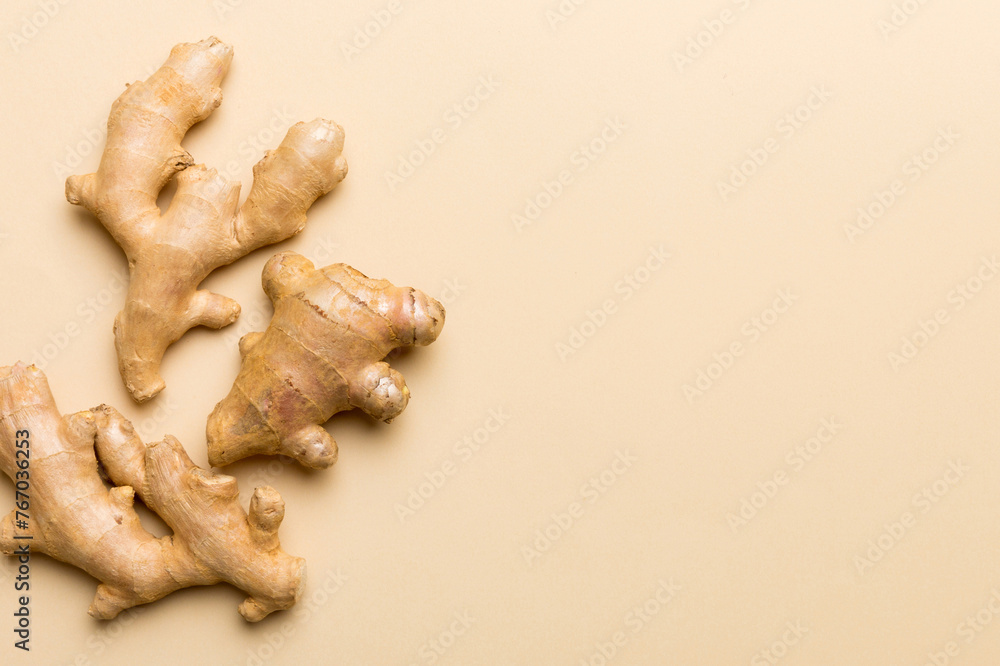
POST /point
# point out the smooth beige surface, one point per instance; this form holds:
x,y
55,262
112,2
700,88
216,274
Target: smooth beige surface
x,y
386,590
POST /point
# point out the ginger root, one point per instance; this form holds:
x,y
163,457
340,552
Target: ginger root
x,y
321,354
204,228
75,518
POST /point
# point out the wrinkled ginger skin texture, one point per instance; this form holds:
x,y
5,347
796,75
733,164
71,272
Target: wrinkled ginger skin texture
x,y
75,518
321,354
204,228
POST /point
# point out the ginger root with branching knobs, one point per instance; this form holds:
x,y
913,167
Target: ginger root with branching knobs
x,y
74,517
204,228
321,354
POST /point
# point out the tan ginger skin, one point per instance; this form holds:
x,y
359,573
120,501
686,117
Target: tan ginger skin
x,y
204,228
321,354
74,517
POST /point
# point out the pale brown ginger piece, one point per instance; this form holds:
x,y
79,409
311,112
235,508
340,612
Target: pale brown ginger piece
x,y
321,354
204,228
74,517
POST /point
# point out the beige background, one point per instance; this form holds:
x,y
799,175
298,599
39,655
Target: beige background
x,y
669,516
